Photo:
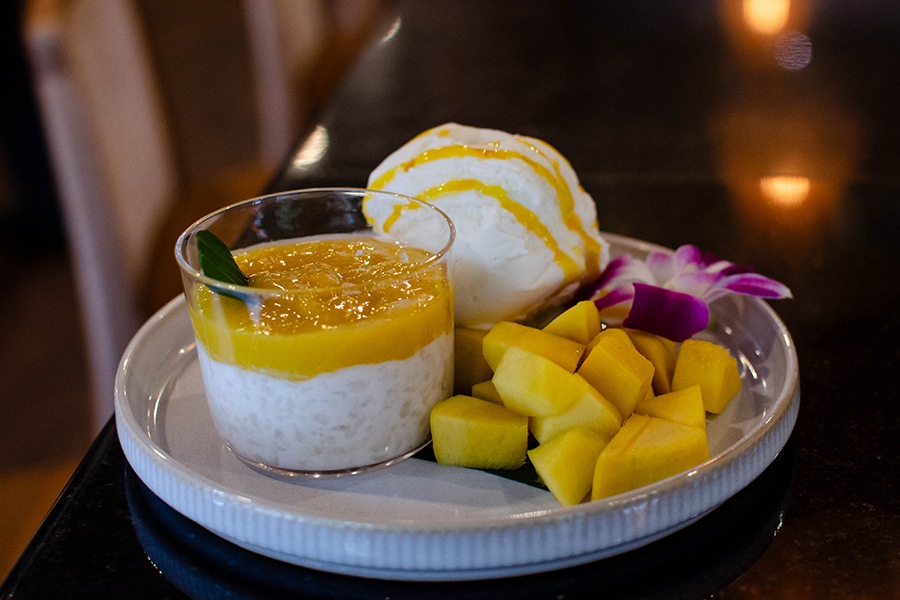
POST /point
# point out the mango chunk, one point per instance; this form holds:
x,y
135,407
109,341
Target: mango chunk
x,y
580,323
535,386
683,406
566,463
505,335
617,370
660,352
589,411
710,366
469,365
469,432
647,450
486,391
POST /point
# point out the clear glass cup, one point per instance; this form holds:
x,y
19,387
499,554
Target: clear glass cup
x,y
325,374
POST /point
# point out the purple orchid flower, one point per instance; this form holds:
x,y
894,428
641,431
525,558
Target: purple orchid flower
x,y
669,292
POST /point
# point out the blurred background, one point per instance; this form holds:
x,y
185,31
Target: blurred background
x,y
44,415
124,121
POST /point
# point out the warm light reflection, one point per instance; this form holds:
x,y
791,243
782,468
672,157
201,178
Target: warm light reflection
x,y
768,34
785,191
767,17
392,31
793,51
312,150
786,160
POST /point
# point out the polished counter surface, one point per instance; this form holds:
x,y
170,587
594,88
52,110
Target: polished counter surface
x,y
696,123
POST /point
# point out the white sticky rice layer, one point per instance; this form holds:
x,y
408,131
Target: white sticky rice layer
x,y
348,418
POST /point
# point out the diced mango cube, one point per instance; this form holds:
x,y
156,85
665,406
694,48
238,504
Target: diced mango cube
x,y
566,463
682,406
469,432
579,323
486,391
535,386
506,335
614,314
660,352
617,370
590,410
710,366
469,365
647,450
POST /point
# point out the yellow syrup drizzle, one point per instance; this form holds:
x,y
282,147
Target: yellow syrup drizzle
x,y
573,220
557,182
530,221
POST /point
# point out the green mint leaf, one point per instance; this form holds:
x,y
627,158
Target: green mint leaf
x,y
216,260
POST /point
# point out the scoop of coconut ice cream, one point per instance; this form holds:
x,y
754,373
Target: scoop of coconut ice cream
x,y
527,233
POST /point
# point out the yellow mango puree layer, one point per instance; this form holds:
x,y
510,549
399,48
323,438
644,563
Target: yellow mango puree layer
x,y
347,301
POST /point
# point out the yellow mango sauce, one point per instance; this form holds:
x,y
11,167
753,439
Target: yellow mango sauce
x,y
345,300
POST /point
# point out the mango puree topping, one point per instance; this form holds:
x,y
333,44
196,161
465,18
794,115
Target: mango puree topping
x,y
345,301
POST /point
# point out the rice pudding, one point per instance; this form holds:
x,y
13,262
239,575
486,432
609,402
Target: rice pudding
x,y
336,360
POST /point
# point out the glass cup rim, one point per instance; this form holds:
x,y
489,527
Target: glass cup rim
x,y
198,276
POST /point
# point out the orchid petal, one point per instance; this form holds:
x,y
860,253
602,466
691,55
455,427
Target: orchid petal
x,y
710,260
622,270
674,315
615,270
662,267
749,284
631,271
668,292
688,257
723,267
696,283
615,296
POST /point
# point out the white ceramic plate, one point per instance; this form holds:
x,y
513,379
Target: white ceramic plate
x,y
421,521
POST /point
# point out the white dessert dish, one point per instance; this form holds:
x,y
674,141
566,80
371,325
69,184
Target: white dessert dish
x,y
421,521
